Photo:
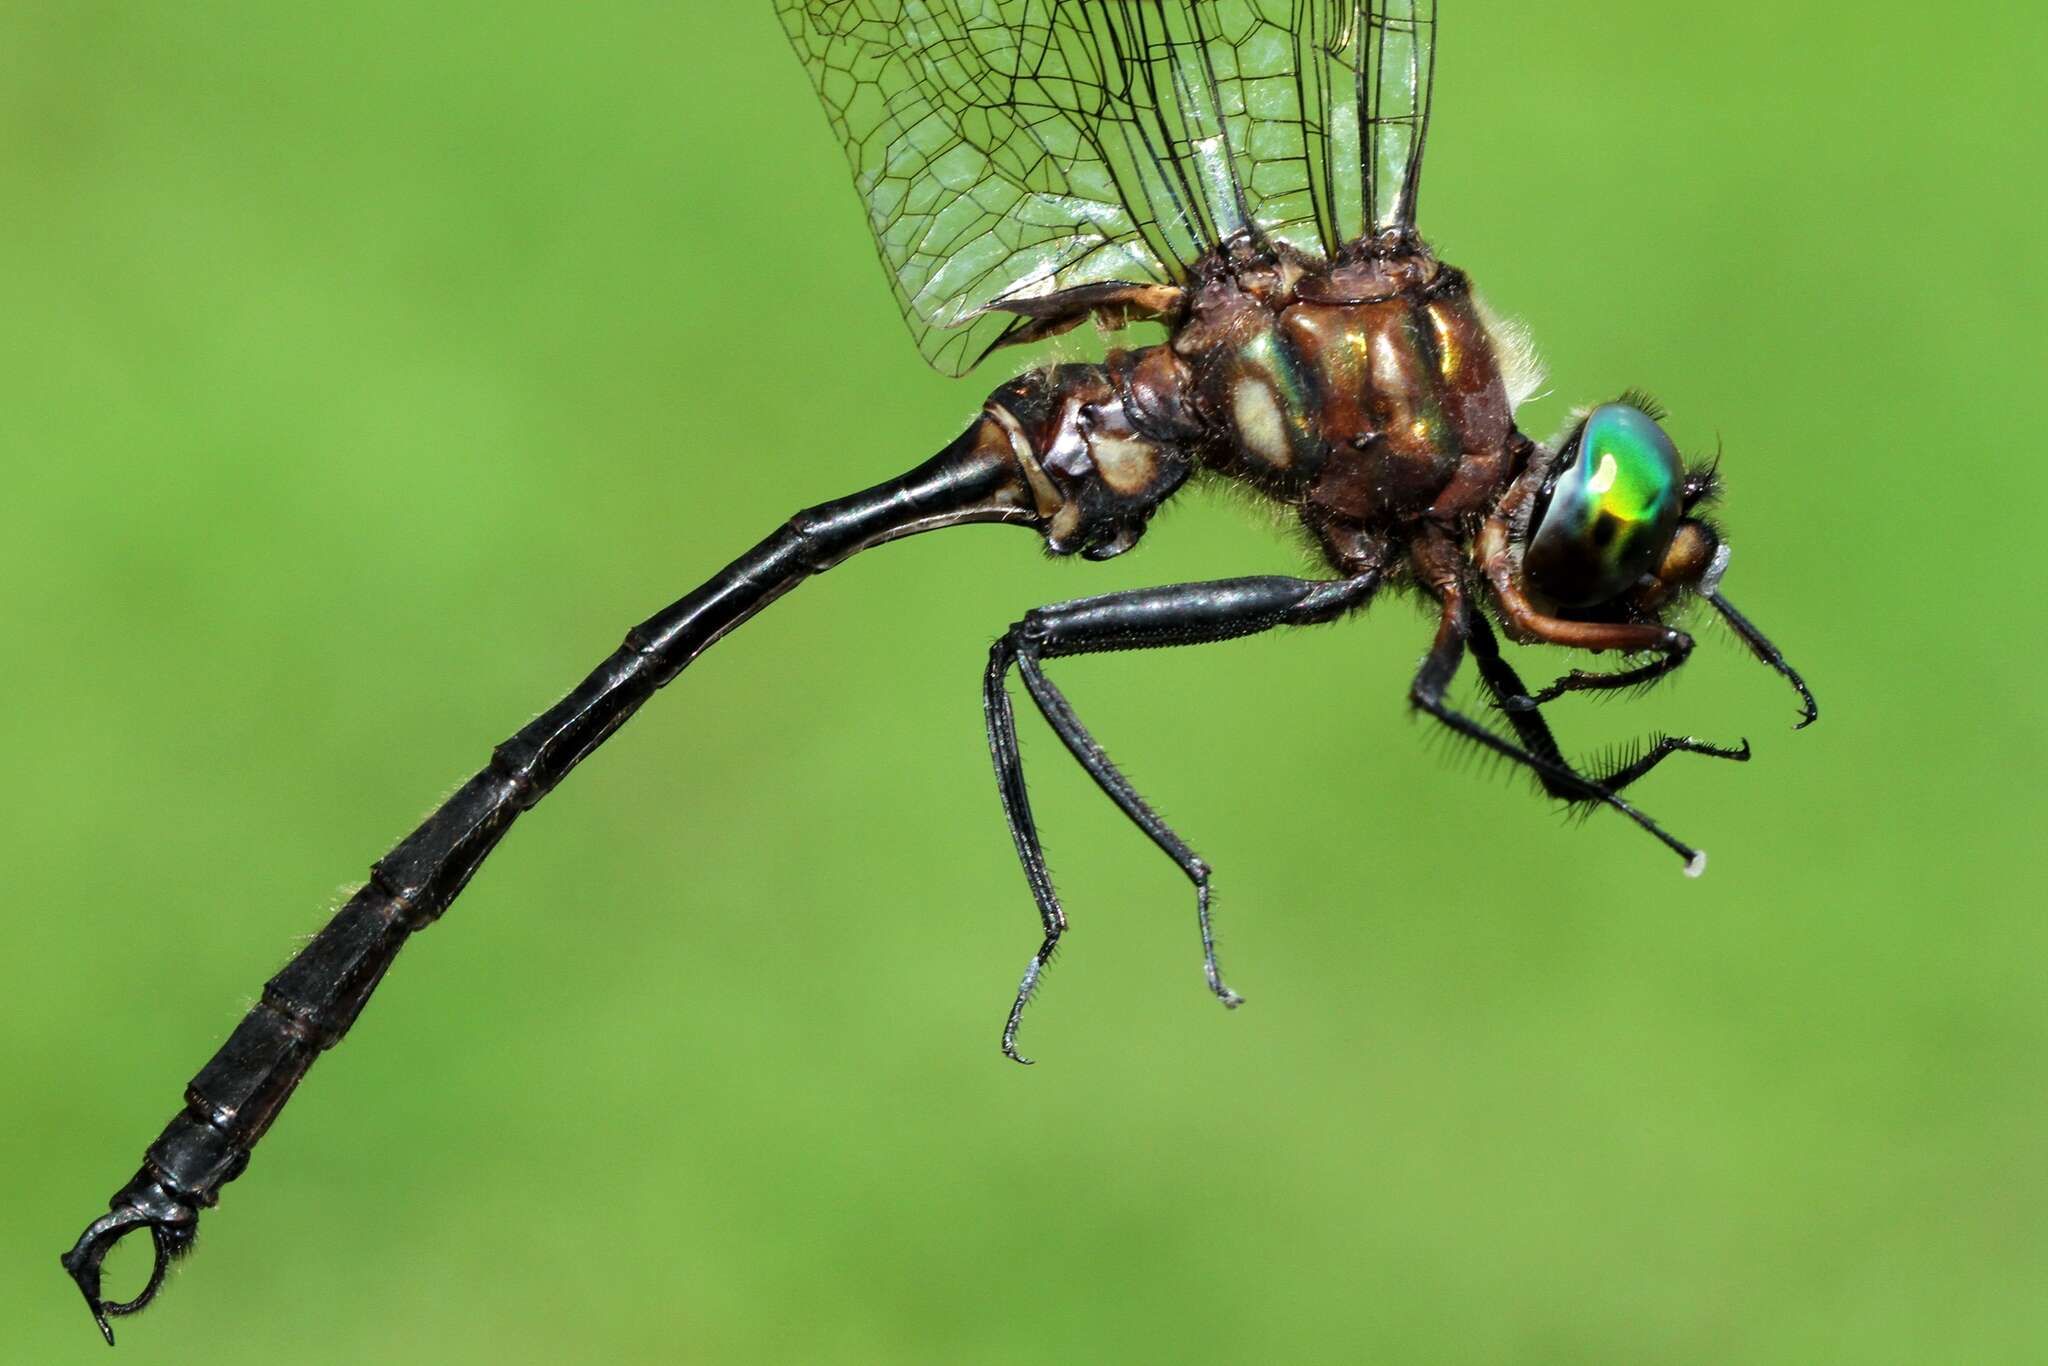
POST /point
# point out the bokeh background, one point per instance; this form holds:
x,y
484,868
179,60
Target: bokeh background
x,y
364,372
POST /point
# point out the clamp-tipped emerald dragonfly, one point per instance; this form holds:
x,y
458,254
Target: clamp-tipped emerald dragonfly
x,y
1243,174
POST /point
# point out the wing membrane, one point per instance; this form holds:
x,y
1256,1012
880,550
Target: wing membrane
x,y
1009,149
1400,68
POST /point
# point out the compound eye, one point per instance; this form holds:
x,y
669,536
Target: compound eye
x,y
1612,510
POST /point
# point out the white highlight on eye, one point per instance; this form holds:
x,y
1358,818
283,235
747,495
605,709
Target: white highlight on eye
x,y
1604,477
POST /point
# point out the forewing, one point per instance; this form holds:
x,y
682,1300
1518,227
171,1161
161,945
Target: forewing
x,y
1010,149
1400,69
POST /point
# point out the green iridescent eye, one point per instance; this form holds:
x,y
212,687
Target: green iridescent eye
x,y
1611,512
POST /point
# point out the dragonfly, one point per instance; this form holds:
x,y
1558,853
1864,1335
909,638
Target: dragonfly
x,y
1243,176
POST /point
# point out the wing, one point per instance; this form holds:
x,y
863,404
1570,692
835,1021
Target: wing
x,y
1006,150
1395,83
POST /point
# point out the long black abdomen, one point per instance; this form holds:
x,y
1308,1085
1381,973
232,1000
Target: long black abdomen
x,y
1082,454
311,1003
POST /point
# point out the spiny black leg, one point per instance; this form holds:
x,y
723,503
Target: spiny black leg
x,y
1059,714
1768,653
1661,748
1676,652
1432,682
1503,684
1002,744
1178,614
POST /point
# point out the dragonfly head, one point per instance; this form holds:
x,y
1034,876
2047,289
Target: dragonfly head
x,y
1612,531
1611,518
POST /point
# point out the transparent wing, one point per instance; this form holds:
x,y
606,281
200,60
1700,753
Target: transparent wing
x,y
1399,73
1010,149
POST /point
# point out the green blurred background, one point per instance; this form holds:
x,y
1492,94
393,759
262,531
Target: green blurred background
x,y
364,373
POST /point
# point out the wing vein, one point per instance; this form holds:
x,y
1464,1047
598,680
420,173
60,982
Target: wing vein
x,y
1014,149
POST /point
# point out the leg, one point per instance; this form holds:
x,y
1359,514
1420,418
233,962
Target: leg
x,y
1180,614
1762,648
1433,680
1677,644
1002,743
1503,684
1525,623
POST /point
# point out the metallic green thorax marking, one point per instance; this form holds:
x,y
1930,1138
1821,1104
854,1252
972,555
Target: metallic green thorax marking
x,y
1273,402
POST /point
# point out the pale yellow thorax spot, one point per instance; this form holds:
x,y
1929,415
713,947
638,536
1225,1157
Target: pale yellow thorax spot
x,y
1126,464
1260,422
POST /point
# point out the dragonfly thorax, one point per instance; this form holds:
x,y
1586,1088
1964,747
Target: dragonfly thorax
x,y
1367,393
